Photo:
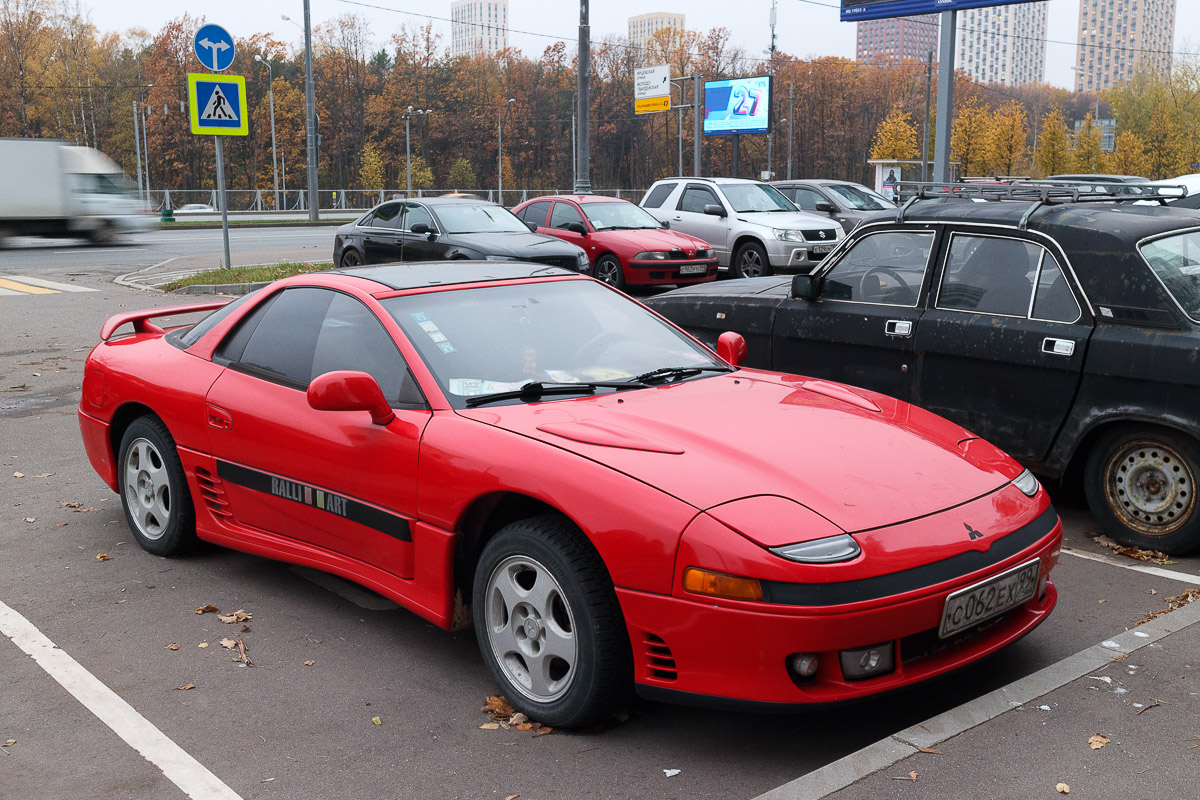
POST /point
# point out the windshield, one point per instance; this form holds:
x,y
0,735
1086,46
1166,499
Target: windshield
x,y
860,197
604,216
483,218
1176,262
749,197
489,339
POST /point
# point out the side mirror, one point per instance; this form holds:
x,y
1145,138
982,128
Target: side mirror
x,y
806,287
532,226
731,347
714,209
827,207
350,390
420,228
665,224
577,227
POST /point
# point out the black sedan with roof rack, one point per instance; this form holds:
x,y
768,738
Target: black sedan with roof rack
x,y
1059,324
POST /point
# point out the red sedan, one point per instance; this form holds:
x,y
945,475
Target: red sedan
x,y
608,501
626,245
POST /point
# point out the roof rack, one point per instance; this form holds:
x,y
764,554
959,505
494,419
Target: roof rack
x,y
1042,192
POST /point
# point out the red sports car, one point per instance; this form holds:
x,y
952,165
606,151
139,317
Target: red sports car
x,y
626,245
610,502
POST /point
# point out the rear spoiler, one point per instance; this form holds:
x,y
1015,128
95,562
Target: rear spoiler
x,y
140,319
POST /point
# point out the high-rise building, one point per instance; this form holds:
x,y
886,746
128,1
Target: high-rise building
x,y
1004,44
478,27
897,39
1118,38
643,26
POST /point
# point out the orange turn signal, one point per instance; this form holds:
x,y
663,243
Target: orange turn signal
x,y
718,584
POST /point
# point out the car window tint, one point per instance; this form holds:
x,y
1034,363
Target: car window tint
x,y
658,195
1054,300
351,337
279,339
563,215
536,213
387,216
886,268
695,198
989,274
193,334
417,215
807,199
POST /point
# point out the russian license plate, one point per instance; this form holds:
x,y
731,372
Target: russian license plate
x,y
821,249
693,269
990,598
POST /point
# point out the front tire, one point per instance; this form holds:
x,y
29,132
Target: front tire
x,y
750,261
548,623
154,491
609,270
1140,485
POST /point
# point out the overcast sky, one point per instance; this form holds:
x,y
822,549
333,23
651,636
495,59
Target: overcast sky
x,y
804,27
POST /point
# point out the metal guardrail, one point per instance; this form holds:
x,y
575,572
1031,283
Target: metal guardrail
x,y
346,199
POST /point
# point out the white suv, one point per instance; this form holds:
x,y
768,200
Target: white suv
x,y
754,228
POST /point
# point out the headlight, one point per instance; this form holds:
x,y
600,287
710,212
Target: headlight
x,y
652,255
500,258
709,253
1026,483
582,257
829,550
788,235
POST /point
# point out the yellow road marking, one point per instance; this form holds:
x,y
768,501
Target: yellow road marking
x,y
25,287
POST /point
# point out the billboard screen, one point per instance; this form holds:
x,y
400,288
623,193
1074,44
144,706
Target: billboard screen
x,y
858,10
741,105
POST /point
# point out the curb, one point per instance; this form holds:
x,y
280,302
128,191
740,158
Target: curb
x,y
221,288
130,279
850,769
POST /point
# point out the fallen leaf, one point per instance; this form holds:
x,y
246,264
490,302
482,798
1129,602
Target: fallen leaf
x,y
1101,601
241,646
44,475
621,716
512,797
1062,788
489,726
103,557
1097,741
205,609
524,726
930,750
245,629
173,646
498,706
517,719
671,773
185,687
228,644
377,720
542,731
65,504
18,474
309,663
1173,604
31,519
236,616
10,742
202,644
1152,591
60,524
266,780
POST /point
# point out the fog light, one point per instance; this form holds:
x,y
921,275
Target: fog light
x,y
868,662
803,665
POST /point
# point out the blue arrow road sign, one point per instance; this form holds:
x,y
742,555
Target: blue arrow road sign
x,y
214,47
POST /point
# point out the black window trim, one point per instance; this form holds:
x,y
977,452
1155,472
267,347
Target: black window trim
x,y
710,189
929,260
370,215
1032,296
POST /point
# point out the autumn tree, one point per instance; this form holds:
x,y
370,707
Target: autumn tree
x,y
462,175
370,170
1086,153
969,137
896,137
422,175
1053,144
1007,149
1165,146
1128,156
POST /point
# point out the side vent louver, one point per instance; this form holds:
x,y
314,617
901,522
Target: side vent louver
x,y
658,658
213,493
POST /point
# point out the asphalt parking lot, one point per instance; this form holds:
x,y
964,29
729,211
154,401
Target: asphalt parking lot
x,y
287,728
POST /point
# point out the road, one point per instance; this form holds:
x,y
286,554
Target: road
x,y
286,728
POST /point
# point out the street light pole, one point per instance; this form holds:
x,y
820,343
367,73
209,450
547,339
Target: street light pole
x,y
791,114
271,96
145,145
409,114
500,149
583,141
137,148
310,110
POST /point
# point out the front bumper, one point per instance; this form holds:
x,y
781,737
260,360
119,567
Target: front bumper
x,y
96,443
673,272
797,256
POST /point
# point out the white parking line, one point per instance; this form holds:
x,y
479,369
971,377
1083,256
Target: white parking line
x,y
1169,574
138,732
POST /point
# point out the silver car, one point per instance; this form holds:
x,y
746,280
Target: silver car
x,y
755,229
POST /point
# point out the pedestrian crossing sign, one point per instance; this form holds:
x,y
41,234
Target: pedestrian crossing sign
x,y
218,104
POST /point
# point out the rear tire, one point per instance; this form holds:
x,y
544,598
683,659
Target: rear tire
x,y
1140,485
610,271
154,490
350,259
750,261
548,623
103,234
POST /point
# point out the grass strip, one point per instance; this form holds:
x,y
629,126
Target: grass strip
x,y
268,272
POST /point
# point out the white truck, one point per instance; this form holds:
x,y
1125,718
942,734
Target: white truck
x,y
52,188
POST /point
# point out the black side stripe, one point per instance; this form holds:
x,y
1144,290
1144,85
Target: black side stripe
x,y
346,507
835,594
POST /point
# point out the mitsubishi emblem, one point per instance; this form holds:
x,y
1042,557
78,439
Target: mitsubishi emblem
x,y
974,534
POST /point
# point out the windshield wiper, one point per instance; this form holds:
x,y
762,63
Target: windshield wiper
x,y
666,373
535,389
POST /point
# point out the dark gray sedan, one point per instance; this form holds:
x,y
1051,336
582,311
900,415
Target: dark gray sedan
x,y
443,228
846,202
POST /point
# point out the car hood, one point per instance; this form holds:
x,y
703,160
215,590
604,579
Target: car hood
x,y
861,460
654,239
518,245
789,219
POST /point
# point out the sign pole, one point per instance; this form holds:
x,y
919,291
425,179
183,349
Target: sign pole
x,y
221,199
945,98
697,123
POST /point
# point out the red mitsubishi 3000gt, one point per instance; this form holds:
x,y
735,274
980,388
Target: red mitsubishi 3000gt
x,y
618,505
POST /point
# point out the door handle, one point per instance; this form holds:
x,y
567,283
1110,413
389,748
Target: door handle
x,y
218,417
1059,347
677,219
898,327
